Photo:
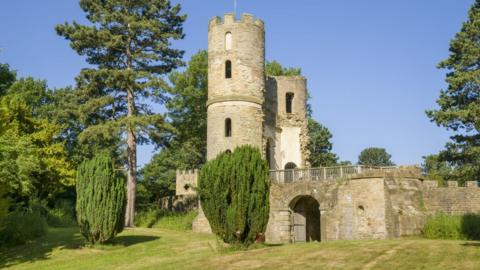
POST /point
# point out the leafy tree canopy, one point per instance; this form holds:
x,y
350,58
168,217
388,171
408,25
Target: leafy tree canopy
x,y
375,156
274,68
319,145
33,160
187,113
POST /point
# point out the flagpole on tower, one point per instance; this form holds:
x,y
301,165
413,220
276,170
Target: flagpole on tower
x,y
235,7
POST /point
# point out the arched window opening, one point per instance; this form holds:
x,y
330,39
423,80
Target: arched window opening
x,y
228,69
289,101
267,154
228,151
290,166
228,41
289,173
228,127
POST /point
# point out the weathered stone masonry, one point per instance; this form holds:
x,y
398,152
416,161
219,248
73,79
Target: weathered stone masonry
x,y
247,107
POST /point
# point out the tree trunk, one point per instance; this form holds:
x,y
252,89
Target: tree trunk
x,y
132,165
131,149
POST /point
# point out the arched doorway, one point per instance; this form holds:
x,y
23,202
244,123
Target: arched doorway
x,y
289,173
306,219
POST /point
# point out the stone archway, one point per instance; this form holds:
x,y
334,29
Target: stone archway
x,y
305,219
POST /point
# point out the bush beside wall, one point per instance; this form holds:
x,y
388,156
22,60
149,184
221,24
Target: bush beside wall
x,y
455,227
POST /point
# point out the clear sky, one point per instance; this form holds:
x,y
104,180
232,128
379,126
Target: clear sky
x,y
370,65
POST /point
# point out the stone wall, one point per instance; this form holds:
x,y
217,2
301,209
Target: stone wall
x,y
246,120
451,199
371,205
185,182
288,132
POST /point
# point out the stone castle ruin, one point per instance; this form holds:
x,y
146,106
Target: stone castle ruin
x,y
306,204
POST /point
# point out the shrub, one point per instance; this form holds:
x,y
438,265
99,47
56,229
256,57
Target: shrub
x,y
100,200
23,225
176,221
147,218
164,219
234,193
456,227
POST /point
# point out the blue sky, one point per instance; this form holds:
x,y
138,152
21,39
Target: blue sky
x,y
370,65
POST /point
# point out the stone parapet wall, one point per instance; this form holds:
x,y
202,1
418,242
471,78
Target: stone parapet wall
x,y
451,199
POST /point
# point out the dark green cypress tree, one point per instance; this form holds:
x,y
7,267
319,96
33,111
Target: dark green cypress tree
x,y
100,199
234,191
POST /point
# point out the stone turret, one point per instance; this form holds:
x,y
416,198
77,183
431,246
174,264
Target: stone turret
x,y
236,83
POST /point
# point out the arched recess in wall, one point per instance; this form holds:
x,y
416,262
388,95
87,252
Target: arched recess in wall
x,y
290,166
228,41
289,173
289,102
228,127
228,69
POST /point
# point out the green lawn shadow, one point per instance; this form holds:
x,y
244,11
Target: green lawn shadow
x,y
61,238
40,248
129,240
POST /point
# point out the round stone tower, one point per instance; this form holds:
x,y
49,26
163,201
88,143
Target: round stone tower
x,y
236,83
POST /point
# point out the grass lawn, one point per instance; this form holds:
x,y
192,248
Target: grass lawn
x,y
167,249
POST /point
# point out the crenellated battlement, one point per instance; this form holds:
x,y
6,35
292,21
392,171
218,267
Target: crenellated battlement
x,y
450,184
229,18
186,182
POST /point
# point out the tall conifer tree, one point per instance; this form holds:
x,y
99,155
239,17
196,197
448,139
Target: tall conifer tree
x,y
460,103
128,44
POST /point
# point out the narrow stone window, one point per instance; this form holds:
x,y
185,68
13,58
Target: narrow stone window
x,y
228,41
267,153
289,102
228,69
228,127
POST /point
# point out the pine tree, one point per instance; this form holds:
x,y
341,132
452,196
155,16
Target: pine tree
x,y
129,44
100,200
460,103
234,191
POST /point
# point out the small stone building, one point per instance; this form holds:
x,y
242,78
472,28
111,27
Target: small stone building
x,y
306,204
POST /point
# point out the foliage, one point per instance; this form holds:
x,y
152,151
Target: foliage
x,y
21,226
100,200
7,77
456,227
159,218
33,161
319,145
274,68
234,192
4,204
436,169
375,156
187,113
62,215
128,45
459,106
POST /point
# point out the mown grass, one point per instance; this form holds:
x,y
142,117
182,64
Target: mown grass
x,y
144,248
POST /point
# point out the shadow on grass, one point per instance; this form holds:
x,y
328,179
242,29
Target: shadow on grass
x,y
129,240
40,248
471,244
